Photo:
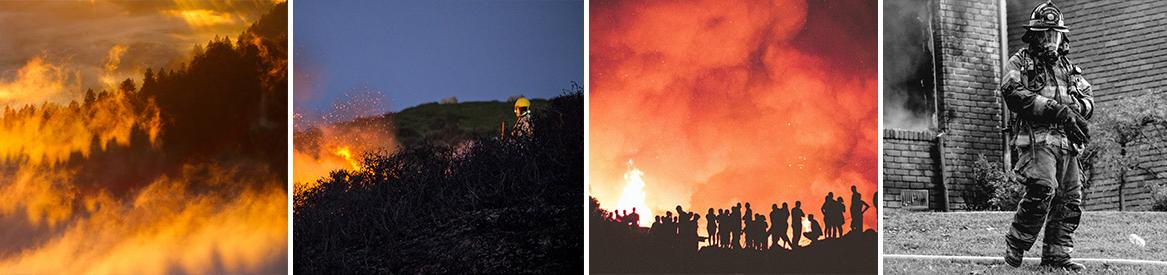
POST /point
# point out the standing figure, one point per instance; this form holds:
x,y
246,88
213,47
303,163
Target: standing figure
x,y
828,210
634,218
736,223
711,227
796,216
723,225
781,224
523,126
760,238
1052,102
858,207
840,209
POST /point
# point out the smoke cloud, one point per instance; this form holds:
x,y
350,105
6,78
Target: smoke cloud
x,y
716,103
909,79
87,184
335,140
84,35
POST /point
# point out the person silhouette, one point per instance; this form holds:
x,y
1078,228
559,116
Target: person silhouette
x,y
840,208
736,224
669,226
772,232
815,230
723,228
760,238
634,218
691,238
828,210
711,227
747,217
858,207
748,231
781,225
752,232
654,229
796,216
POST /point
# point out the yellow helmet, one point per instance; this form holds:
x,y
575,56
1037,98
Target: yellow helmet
x,y
522,106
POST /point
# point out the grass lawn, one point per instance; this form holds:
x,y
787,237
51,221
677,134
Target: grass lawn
x,y
906,266
1100,235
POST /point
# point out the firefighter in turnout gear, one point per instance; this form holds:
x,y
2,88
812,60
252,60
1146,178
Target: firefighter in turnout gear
x,y
1051,101
522,126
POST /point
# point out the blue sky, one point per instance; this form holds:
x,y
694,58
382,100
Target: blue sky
x,y
415,52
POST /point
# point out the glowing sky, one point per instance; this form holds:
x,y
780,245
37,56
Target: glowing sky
x,y
718,102
89,44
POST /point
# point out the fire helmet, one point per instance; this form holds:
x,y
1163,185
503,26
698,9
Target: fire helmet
x,y
1046,16
522,106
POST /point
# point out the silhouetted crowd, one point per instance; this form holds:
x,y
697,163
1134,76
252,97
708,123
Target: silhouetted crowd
x,y
726,228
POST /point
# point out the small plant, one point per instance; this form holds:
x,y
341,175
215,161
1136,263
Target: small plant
x,y
1160,198
993,188
1122,134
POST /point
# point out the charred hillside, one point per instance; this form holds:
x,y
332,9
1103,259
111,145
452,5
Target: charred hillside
x,y
490,206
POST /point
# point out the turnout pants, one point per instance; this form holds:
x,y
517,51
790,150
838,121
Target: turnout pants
x,y
1053,197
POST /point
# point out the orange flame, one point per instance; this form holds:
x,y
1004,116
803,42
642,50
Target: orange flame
x,y
346,153
337,147
633,197
757,102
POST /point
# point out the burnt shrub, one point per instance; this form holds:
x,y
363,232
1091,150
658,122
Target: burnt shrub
x,y
486,205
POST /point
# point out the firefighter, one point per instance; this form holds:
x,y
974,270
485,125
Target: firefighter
x,y
1052,102
522,126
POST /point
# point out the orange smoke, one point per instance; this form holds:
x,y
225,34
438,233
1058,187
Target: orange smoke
x,y
51,133
323,149
38,81
340,138
165,228
113,59
758,101
208,219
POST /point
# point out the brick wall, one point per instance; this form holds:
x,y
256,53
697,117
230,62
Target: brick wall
x,y
909,164
968,37
1121,46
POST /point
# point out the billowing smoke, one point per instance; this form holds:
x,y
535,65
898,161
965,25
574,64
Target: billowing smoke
x,y
95,181
716,103
82,35
164,228
909,79
36,81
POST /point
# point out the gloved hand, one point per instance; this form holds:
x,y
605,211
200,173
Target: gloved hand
x,y
1076,127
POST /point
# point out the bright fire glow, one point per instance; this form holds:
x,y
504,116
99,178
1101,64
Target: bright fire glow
x,y
761,101
86,185
338,139
347,153
634,196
